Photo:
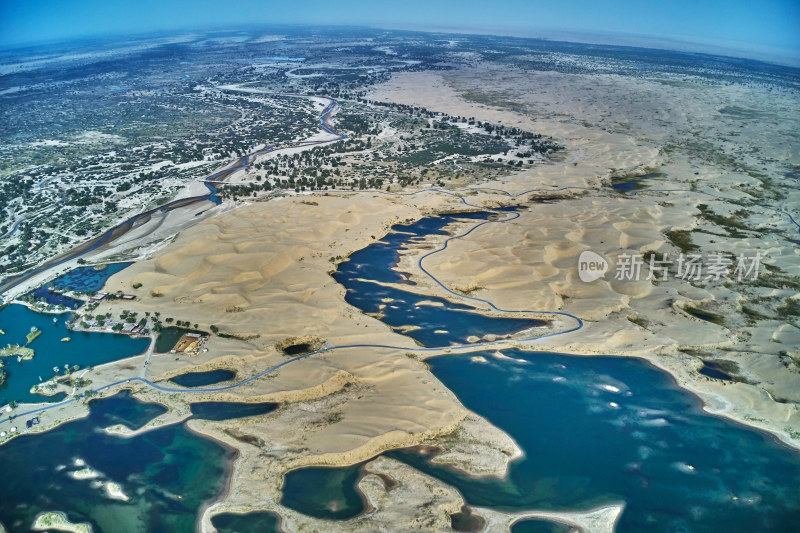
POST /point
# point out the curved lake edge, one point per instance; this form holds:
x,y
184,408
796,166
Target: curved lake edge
x,y
779,437
689,406
94,450
228,467
676,383
699,391
244,514
303,507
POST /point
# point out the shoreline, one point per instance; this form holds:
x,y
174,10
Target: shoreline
x,y
229,467
710,402
779,435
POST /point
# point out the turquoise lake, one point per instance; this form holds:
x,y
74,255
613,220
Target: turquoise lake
x,y
81,279
168,473
83,349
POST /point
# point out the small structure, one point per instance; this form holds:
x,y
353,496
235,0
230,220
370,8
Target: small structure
x,y
189,343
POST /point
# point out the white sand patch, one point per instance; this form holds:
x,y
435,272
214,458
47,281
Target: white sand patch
x,y
91,137
115,492
85,473
655,422
685,468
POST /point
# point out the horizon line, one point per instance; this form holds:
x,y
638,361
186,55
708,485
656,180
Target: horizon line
x,y
784,57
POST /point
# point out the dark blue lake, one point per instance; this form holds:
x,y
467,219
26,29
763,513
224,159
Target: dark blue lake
x,y
87,278
441,324
324,492
600,430
83,349
230,410
595,430
635,183
200,379
255,522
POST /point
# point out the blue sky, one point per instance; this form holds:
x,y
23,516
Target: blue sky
x,y
754,27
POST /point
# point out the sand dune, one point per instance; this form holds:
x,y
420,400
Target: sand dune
x,y
260,272
531,262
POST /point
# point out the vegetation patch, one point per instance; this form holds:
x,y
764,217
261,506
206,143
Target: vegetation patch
x,y
169,336
702,314
734,224
681,239
16,350
790,308
294,346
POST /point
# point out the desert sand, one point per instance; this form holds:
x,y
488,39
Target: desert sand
x,y
532,262
260,273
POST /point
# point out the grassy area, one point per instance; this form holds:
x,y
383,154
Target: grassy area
x,y
169,336
14,350
734,224
681,239
790,308
702,314
33,335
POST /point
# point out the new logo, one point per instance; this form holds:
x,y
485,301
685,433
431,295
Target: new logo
x,y
591,266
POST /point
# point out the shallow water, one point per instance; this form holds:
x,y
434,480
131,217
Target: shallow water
x,y
714,370
78,279
83,349
168,473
